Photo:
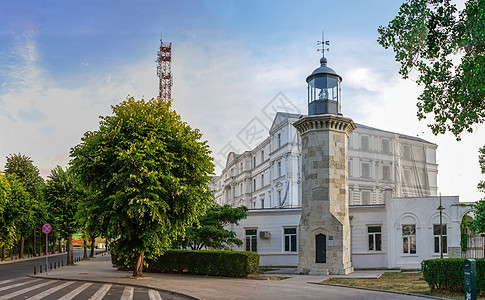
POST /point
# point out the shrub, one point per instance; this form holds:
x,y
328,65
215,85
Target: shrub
x,y
203,262
448,274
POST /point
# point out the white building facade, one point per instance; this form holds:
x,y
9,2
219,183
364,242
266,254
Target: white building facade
x,y
392,188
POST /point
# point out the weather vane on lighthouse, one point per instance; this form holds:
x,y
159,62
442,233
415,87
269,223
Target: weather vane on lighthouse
x,y
323,43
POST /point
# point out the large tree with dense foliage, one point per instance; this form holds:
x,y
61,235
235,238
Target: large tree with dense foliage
x,y
8,231
152,172
211,230
23,168
63,195
447,50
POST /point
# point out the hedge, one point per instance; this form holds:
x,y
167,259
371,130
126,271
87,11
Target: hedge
x,y
448,274
202,262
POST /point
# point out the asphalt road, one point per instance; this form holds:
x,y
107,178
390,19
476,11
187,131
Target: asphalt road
x,y
26,267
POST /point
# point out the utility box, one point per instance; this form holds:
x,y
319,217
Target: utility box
x,y
470,279
265,234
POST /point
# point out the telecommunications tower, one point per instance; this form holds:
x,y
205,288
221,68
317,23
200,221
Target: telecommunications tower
x,y
164,70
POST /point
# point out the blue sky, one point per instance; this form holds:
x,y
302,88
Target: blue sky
x,y
64,63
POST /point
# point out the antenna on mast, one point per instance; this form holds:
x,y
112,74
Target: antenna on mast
x,y
164,70
323,43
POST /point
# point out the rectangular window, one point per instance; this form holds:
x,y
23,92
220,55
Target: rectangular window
x,y
365,142
385,146
241,188
409,239
386,172
279,197
290,239
262,155
366,197
279,140
407,151
242,169
254,185
262,180
279,169
262,203
365,170
254,161
252,240
375,238
437,237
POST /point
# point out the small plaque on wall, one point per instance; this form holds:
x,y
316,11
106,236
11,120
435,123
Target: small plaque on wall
x,y
330,240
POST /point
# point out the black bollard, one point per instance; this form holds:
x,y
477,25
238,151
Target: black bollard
x,y
35,273
58,264
41,269
51,266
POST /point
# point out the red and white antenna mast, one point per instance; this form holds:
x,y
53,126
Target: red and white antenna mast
x,y
164,70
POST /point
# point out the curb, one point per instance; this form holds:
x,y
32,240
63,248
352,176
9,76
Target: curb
x,y
382,291
116,283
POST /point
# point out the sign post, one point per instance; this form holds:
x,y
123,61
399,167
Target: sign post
x,y
46,229
470,279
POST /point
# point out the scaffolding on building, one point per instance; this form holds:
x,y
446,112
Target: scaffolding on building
x,y
164,70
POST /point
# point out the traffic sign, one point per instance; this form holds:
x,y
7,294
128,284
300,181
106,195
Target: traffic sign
x,y
46,228
90,239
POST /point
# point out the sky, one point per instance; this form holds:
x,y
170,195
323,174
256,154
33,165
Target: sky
x,y
234,63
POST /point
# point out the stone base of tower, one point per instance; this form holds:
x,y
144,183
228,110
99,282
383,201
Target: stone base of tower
x,y
324,230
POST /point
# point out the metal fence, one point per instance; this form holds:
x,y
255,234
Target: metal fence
x,y
476,246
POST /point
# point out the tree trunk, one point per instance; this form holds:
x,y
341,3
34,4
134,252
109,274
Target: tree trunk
x,y
138,271
85,246
92,246
60,245
21,248
34,251
4,253
70,251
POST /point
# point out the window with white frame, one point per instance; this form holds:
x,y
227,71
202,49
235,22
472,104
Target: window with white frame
x,y
254,185
365,142
241,188
242,168
365,166
251,240
279,140
262,203
409,238
385,146
366,197
262,180
386,172
279,197
375,238
290,239
254,161
437,237
279,169
407,151
262,155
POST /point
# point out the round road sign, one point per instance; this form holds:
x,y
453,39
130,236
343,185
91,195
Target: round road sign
x,y
46,228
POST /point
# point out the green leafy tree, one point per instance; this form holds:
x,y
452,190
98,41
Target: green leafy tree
x,y
210,232
425,36
152,172
21,209
63,195
23,168
478,223
8,231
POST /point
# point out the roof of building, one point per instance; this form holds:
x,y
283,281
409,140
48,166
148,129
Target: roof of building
x,y
401,136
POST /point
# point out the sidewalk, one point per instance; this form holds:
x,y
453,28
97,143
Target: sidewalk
x,y
99,269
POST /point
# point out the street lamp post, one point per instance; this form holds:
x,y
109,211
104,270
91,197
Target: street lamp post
x,y
441,208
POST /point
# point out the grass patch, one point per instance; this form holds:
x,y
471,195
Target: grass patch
x,y
406,282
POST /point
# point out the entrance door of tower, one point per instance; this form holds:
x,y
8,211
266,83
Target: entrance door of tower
x,y
321,248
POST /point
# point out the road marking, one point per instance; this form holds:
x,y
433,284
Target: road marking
x,y
6,281
75,292
128,293
101,292
26,290
154,295
16,285
50,291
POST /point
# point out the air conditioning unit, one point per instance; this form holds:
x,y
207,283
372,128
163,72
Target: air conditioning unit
x,y
264,234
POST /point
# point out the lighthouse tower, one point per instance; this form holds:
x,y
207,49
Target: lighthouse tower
x,y
324,230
